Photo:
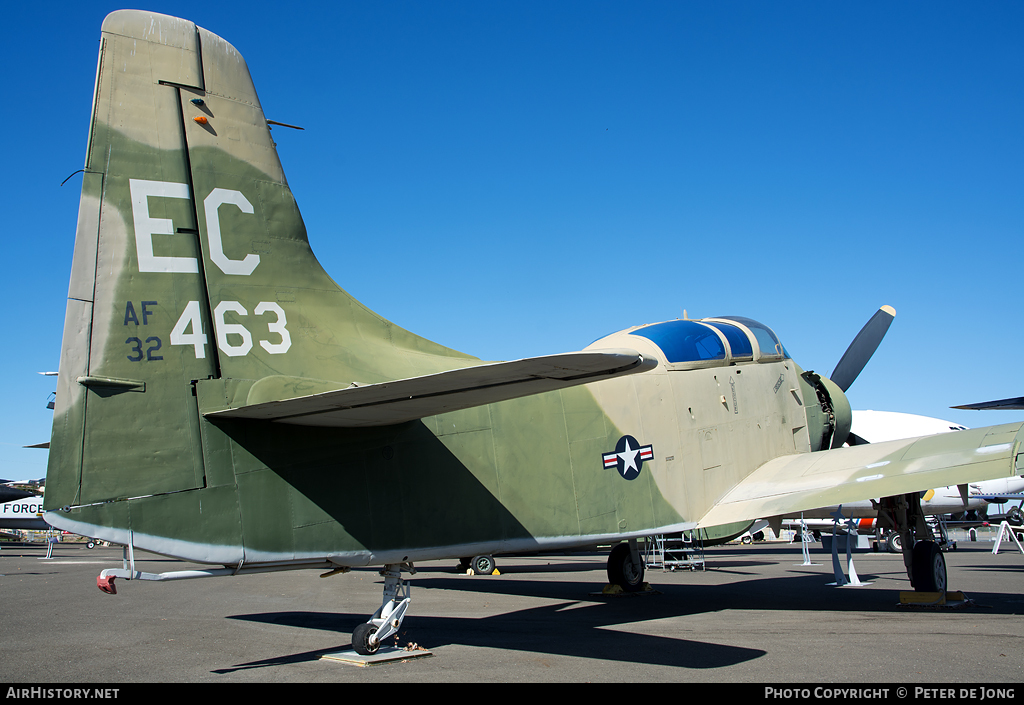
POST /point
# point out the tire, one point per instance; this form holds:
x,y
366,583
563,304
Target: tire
x,y
894,542
1015,516
928,568
361,639
483,565
622,571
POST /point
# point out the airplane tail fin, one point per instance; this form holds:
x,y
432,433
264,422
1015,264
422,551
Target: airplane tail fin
x,y
192,277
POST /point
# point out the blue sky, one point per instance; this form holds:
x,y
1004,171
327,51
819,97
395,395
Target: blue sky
x,y
520,178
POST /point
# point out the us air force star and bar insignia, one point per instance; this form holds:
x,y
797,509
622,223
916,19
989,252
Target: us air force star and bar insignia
x,y
629,457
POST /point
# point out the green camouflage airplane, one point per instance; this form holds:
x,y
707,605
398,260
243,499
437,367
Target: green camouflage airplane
x,y
221,400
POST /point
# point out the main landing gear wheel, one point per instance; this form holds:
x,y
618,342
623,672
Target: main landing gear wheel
x,y
483,565
622,571
929,567
1015,516
361,639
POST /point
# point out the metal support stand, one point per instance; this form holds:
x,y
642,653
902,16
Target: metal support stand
x,y
50,540
806,539
1006,529
672,551
851,533
837,569
128,554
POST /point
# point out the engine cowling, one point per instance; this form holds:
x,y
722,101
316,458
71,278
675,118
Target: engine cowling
x,y
829,424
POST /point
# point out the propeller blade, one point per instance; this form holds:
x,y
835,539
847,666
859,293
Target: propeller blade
x,y
862,347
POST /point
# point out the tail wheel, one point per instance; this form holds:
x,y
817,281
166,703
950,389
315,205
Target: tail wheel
x,y
929,567
622,571
361,639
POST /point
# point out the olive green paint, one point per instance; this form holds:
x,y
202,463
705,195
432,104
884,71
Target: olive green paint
x,y
141,460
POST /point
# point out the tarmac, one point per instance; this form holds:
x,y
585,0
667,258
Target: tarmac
x,y
754,615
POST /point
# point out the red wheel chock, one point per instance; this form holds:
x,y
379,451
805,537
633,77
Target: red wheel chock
x,y
106,584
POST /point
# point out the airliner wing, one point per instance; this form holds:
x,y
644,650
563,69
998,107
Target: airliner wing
x,y
388,403
793,483
1014,403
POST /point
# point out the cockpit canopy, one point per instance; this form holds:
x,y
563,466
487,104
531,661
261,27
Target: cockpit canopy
x,y
714,341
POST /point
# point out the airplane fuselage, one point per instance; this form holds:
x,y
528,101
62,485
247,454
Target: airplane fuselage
x,y
221,399
642,454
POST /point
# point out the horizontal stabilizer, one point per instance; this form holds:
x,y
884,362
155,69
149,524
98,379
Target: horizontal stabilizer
x,y
418,397
791,484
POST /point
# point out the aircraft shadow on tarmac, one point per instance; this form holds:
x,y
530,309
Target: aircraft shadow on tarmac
x,y
995,569
540,629
583,624
799,589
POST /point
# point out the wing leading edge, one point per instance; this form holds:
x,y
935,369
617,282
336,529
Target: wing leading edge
x,y
793,483
402,400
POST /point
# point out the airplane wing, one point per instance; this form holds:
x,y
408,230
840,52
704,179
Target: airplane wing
x,y
795,483
388,403
1014,403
